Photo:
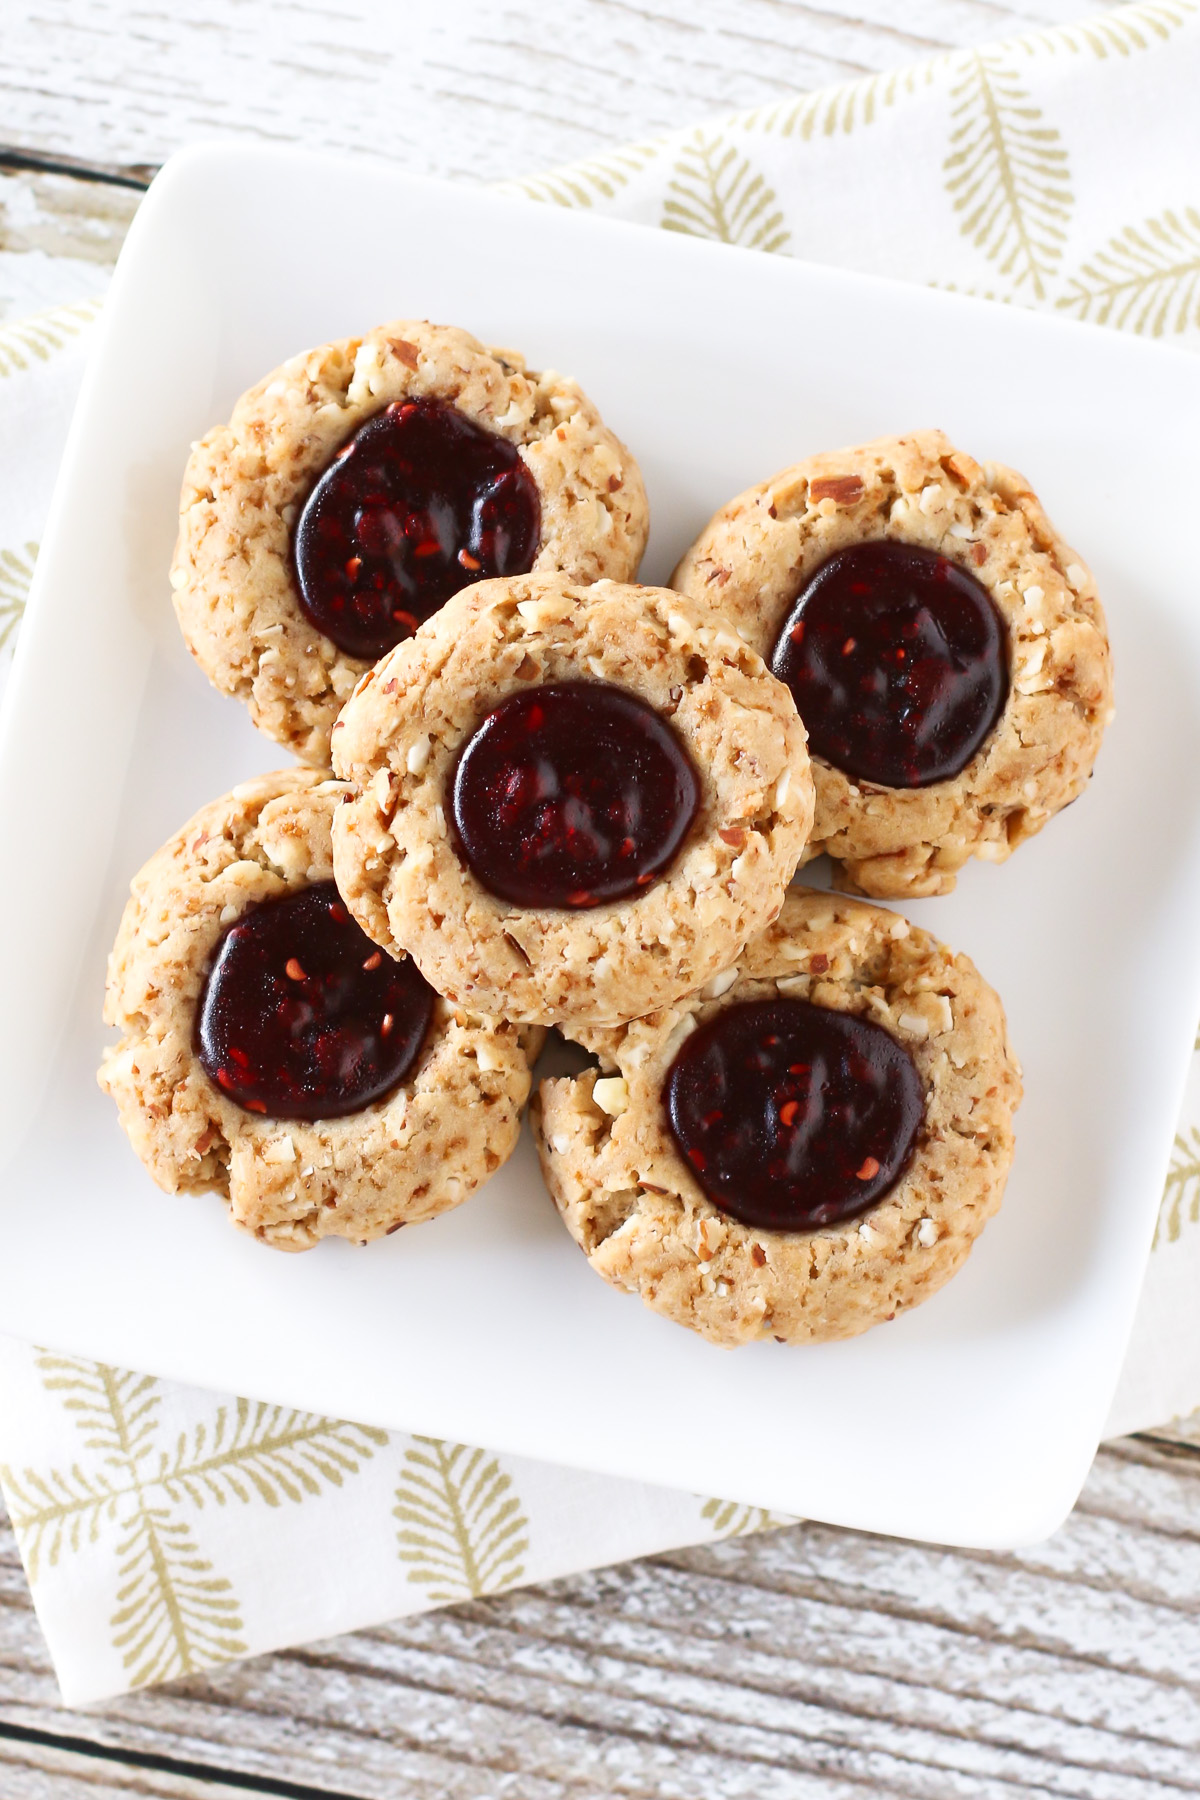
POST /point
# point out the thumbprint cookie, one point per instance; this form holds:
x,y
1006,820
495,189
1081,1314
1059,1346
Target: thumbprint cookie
x,y
569,803
359,486
801,1149
270,1052
945,648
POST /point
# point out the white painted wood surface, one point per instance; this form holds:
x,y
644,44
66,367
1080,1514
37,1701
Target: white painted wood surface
x,y
477,89
809,1664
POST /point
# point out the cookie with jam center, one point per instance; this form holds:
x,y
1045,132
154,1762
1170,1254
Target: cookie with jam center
x,y
945,648
804,1147
570,803
271,1053
359,486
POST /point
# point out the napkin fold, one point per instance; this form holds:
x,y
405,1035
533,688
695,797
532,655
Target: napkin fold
x,y
165,1529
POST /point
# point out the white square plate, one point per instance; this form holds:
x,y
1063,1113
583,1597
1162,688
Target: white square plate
x,y
971,1420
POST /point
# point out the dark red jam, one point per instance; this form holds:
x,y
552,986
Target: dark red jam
x,y
898,663
419,502
302,1016
792,1115
572,794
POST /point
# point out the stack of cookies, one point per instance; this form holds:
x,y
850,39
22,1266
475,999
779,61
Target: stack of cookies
x,y
533,794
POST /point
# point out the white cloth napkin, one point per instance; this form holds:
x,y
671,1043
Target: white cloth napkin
x,y
165,1529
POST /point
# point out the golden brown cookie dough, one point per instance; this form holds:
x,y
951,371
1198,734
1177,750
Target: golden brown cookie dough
x,y
631,1202
754,556
397,742
423,1148
246,482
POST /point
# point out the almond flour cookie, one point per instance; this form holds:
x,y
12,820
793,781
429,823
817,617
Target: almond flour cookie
x,y
358,486
945,647
804,1148
570,803
269,1052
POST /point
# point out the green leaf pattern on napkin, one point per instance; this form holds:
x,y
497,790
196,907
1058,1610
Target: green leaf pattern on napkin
x,y
1007,173
173,1612
729,1518
840,109
462,1528
1119,33
16,573
590,181
39,336
716,193
1181,1193
1146,279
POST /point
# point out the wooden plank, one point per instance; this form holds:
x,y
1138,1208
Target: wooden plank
x,y
460,89
811,1663
64,216
36,1771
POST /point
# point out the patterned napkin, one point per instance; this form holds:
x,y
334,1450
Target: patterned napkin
x,y
164,1529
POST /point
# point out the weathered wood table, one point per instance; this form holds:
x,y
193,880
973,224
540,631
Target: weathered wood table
x,y
805,1664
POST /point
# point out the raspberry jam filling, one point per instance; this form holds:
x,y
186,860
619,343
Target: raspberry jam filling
x,y
572,794
302,1016
419,502
897,661
791,1115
